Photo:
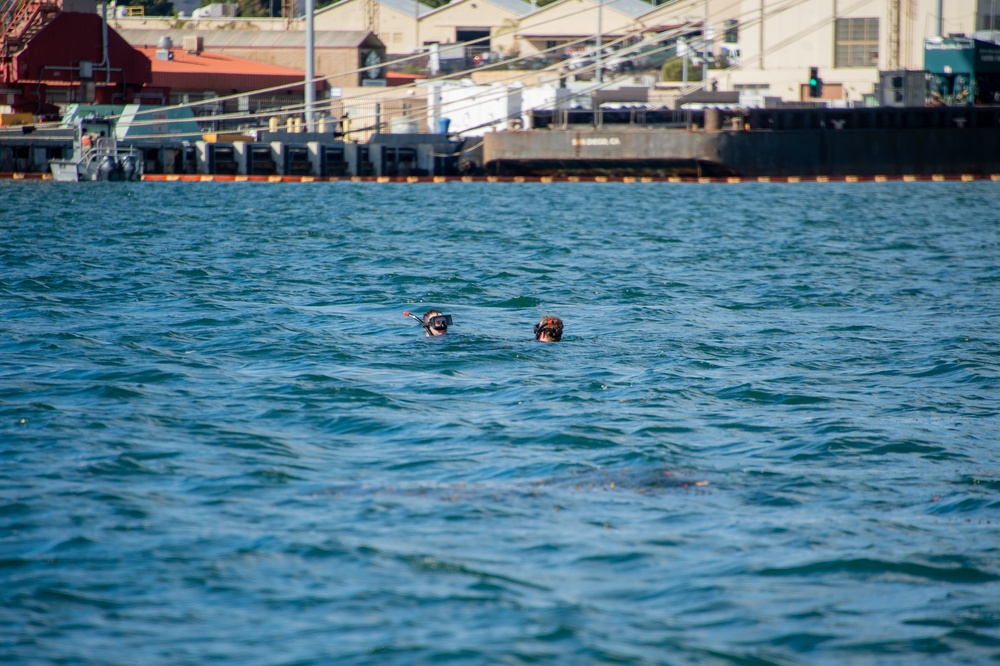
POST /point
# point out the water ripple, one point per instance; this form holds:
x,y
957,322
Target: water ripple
x,y
768,435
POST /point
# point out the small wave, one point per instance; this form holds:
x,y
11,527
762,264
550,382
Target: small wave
x,y
199,272
272,476
14,508
515,303
746,393
430,563
210,322
943,369
802,641
868,569
963,505
62,595
909,446
250,441
71,544
122,464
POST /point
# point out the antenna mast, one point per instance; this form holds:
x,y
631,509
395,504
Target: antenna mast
x,y
893,60
371,16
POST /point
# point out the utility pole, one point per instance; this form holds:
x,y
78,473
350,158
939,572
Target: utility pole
x,y
310,68
893,59
599,62
704,50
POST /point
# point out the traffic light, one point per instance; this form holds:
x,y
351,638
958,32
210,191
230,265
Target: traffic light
x,y
815,83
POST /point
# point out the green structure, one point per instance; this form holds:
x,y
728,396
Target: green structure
x,y
140,122
963,71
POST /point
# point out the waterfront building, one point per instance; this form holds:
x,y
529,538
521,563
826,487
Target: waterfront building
x,y
339,54
465,29
848,44
192,74
574,24
397,27
775,43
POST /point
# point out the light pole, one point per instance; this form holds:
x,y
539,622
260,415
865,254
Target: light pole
x,y
598,63
704,49
310,67
416,25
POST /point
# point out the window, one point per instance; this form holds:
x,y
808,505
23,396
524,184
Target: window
x,y
856,42
752,89
731,34
472,35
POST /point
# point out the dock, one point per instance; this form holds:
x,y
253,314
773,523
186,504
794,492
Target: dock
x,y
758,145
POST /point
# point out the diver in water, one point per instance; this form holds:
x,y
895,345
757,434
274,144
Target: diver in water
x,y
549,329
434,322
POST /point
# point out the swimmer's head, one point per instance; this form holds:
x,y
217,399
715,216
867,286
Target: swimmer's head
x,y
433,321
549,329
436,323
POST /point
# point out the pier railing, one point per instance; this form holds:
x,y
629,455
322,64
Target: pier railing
x,y
368,115
638,116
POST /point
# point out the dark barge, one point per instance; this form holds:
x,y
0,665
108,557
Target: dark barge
x,y
713,143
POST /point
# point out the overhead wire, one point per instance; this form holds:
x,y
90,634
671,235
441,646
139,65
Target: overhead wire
x,y
750,23
403,60
521,76
298,107
637,28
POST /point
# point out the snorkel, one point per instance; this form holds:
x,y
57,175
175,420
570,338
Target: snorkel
x,y
438,322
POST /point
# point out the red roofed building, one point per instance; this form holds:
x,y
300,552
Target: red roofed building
x,y
341,56
202,72
192,75
402,78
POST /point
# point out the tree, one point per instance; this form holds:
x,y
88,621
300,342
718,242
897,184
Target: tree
x,y
673,70
254,8
250,8
154,7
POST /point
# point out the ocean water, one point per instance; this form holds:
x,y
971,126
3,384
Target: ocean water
x,y
770,434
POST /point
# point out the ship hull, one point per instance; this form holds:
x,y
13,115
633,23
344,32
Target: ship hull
x,y
801,143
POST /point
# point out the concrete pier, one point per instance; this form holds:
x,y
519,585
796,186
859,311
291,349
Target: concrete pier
x,y
757,143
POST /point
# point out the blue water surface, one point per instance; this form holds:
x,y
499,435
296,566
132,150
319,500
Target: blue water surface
x,y
769,435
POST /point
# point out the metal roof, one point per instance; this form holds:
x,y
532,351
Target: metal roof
x,y
255,39
407,7
402,6
630,8
519,7
215,71
516,7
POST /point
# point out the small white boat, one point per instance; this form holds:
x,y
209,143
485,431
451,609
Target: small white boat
x,y
97,156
